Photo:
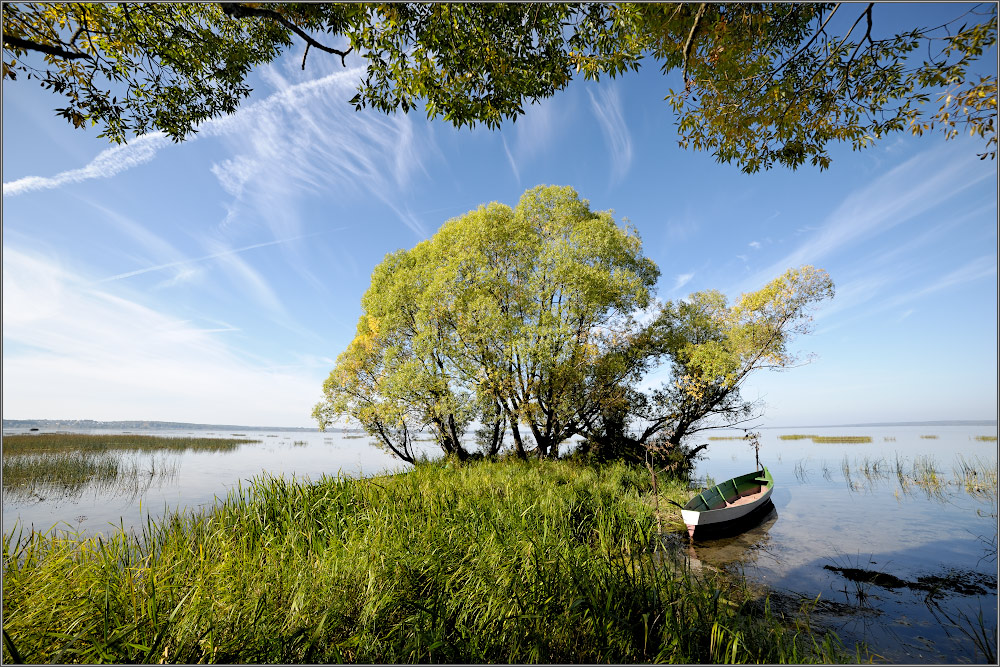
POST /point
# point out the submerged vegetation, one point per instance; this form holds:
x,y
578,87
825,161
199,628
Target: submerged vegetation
x,y
546,561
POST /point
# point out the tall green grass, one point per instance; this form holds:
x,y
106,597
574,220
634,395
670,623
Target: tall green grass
x,y
509,562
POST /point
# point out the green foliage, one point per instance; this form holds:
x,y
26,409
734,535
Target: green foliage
x,y
713,347
514,316
526,316
507,562
763,83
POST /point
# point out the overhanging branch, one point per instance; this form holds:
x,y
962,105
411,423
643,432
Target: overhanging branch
x,y
239,11
27,44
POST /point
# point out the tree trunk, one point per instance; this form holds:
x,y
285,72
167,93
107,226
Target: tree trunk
x,y
518,445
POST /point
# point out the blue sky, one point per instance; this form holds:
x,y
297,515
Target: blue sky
x,y
217,280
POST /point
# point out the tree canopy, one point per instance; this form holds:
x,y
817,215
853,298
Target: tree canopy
x,y
542,318
763,84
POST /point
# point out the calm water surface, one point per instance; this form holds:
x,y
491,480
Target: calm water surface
x,y
908,572
200,477
834,535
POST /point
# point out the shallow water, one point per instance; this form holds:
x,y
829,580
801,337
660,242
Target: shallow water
x,y
907,571
198,478
829,537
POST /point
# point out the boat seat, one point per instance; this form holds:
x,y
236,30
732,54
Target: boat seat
x,y
761,481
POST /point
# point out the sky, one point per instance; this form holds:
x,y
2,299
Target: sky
x,y
216,280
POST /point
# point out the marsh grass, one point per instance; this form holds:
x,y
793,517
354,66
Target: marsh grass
x,y
727,437
856,439
986,438
796,436
978,478
46,443
929,437
975,477
69,474
66,464
505,562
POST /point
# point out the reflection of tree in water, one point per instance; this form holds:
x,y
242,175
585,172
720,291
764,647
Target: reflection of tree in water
x,y
67,476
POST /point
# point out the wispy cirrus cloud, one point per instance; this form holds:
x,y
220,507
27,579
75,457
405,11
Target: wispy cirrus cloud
x,y
303,138
681,280
510,159
607,108
977,269
920,184
89,352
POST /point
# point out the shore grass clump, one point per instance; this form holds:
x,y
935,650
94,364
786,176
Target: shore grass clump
x,y
796,436
986,438
46,443
491,562
727,437
929,437
854,439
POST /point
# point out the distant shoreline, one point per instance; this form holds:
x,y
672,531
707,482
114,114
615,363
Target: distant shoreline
x,y
162,425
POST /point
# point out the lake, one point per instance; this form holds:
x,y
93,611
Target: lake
x,y
909,568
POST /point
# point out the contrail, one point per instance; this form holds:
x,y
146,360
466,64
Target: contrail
x,y
216,255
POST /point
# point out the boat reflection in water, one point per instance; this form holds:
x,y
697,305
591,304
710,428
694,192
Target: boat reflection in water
x,y
740,547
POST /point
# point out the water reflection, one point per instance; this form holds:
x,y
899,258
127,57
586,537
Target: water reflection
x,y
740,549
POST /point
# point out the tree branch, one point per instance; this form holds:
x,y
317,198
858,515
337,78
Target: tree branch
x,y
690,42
56,51
239,11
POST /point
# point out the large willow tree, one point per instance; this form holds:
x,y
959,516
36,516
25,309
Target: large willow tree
x,y
505,316
524,321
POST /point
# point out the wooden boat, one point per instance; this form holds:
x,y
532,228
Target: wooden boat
x,y
727,506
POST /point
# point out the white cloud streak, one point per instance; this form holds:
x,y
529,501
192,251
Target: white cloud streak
x,y
84,352
681,280
107,163
302,138
607,107
510,159
910,189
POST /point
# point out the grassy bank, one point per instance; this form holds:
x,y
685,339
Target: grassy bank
x,y
488,562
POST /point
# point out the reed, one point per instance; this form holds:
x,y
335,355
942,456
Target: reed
x,y
929,437
986,438
727,437
796,436
824,439
69,474
46,443
978,478
505,562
